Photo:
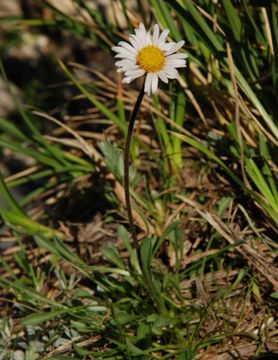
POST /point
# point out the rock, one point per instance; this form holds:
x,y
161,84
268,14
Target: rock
x,y
7,104
10,8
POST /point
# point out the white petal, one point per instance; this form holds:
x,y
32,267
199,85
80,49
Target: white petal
x,y
126,80
162,37
154,83
171,73
126,56
177,56
129,79
145,40
142,37
166,46
162,76
148,83
142,28
155,34
139,39
141,34
135,73
135,77
127,46
132,39
129,68
125,62
176,63
180,65
148,39
121,50
175,47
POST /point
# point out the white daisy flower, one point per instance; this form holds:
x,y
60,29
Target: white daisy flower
x,y
149,54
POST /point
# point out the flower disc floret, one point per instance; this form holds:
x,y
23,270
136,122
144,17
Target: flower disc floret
x,y
151,58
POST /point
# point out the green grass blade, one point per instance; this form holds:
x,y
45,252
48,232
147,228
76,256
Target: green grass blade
x,y
257,177
24,224
163,12
234,20
38,318
256,102
191,14
9,128
209,154
11,202
110,115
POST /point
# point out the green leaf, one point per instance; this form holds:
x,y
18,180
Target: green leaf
x,y
35,319
111,253
274,295
165,235
144,332
63,357
134,350
123,234
188,354
146,254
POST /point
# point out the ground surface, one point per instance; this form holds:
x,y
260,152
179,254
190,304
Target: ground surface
x,y
70,283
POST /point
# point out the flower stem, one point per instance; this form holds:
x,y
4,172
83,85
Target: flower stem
x,y
126,166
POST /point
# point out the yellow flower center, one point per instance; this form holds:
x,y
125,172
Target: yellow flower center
x,y
151,58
